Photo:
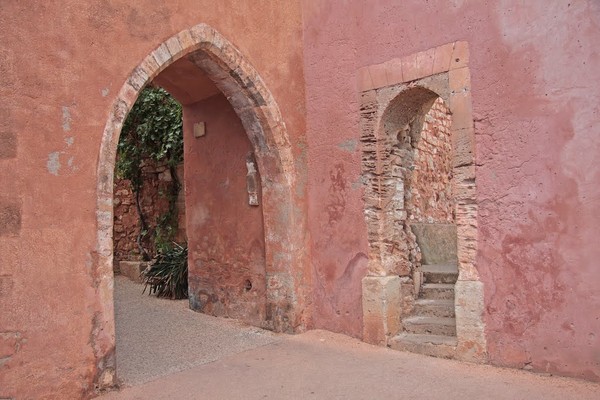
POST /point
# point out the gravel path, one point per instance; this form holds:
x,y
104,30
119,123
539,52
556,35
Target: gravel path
x,y
156,337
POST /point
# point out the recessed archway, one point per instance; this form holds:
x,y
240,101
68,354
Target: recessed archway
x,y
235,77
395,93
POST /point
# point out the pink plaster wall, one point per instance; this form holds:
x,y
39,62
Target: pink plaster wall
x,y
225,233
534,80
61,66
534,72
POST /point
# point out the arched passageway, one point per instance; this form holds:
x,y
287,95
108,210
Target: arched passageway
x,y
217,67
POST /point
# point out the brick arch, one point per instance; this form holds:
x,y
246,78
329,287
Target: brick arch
x,y
261,118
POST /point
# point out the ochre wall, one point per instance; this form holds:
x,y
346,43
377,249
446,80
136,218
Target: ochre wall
x,y
534,76
61,66
225,233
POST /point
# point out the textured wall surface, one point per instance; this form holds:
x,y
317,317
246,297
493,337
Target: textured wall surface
x,y
154,203
429,196
62,64
533,67
226,235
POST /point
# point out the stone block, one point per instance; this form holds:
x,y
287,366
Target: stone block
x,y
150,66
162,55
378,75
132,269
129,94
469,302
393,71
174,46
138,78
463,142
202,34
425,61
459,79
462,110
381,308
437,242
460,55
431,345
186,40
199,129
443,56
410,71
364,79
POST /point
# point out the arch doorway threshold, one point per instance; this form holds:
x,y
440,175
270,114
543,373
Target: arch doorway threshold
x,y
157,337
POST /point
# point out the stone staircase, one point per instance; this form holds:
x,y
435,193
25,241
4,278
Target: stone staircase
x,y
431,328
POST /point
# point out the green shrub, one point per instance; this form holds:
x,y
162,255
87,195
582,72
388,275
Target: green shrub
x,y
167,275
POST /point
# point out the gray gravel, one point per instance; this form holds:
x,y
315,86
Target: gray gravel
x,y
156,337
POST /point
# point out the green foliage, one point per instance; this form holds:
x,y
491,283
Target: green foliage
x,y
166,229
152,130
167,276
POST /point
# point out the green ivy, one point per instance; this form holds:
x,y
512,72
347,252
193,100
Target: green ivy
x,y
153,130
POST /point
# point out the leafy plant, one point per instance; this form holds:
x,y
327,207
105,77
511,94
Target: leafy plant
x,y
153,130
167,276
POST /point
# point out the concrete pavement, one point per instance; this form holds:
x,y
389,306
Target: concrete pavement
x,y
323,365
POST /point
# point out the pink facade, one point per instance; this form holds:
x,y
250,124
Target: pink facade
x,y
291,72
533,67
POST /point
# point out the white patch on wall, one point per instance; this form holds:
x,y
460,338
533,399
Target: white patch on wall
x,y
66,118
251,180
53,163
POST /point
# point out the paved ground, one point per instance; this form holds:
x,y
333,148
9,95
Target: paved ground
x,y
315,365
156,337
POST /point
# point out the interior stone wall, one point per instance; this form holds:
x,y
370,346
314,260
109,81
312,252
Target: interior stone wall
x,y
428,194
153,202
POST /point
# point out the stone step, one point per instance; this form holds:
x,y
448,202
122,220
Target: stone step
x,y
133,269
430,325
434,308
430,345
440,273
437,291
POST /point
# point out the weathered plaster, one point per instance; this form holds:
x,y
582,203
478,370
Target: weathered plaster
x,y
262,121
532,70
78,55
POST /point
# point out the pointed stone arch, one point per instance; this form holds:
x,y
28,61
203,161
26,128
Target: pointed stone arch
x,y
254,104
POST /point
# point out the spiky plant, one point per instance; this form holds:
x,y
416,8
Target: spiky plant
x,y
167,276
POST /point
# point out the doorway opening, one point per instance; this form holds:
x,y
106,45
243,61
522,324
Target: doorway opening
x,y
422,292
238,176
149,202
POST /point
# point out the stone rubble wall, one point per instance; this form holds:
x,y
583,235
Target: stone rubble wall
x,y
429,196
154,203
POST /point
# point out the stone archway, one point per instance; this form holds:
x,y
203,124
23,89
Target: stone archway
x,y
402,86
262,121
